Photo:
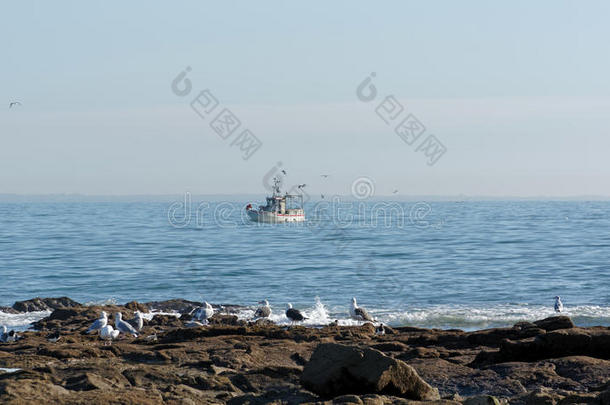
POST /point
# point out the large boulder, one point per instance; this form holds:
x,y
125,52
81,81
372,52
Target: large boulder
x,y
44,304
555,323
336,369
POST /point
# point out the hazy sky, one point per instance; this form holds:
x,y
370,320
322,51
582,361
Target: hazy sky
x,y
519,94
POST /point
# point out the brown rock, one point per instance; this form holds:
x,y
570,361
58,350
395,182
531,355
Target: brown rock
x,y
348,399
338,369
482,400
44,304
555,323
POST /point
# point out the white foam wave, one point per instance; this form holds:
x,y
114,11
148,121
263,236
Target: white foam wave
x,y
9,370
469,317
21,321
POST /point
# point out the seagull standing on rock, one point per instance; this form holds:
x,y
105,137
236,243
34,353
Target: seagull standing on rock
x,y
558,304
358,313
108,333
123,326
294,314
99,323
264,311
8,337
204,312
137,322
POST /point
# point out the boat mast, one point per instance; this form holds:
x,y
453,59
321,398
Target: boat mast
x,y
276,186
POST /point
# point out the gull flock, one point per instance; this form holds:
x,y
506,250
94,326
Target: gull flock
x,y
201,317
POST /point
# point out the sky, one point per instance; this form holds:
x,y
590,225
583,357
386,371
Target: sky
x,y
517,94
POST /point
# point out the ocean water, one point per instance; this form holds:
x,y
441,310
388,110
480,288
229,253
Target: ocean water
x,y
467,264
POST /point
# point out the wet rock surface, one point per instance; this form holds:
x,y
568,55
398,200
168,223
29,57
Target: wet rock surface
x,y
238,362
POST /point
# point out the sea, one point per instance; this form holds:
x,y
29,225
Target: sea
x,y
435,264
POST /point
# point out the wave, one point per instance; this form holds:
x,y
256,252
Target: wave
x,y
22,321
465,317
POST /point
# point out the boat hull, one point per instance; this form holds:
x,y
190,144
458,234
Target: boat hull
x,y
267,217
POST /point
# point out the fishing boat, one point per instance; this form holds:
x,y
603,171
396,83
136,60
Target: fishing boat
x,y
280,207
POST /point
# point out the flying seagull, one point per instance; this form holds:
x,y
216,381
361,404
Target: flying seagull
x,y
301,185
358,313
322,195
99,323
325,175
108,333
123,326
294,314
204,312
558,304
12,103
283,172
395,191
137,322
264,311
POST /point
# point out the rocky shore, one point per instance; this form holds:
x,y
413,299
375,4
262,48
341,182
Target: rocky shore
x,y
237,362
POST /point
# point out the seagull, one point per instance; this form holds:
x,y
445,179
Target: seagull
x,y
322,195
108,333
325,175
137,322
99,323
558,304
8,337
12,103
395,191
204,312
301,185
380,330
123,326
358,313
283,172
294,314
264,311
53,337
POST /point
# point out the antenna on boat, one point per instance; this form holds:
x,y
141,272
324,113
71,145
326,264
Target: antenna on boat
x,y
277,182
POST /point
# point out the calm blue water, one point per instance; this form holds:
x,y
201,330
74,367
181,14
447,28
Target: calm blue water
x,y
462,264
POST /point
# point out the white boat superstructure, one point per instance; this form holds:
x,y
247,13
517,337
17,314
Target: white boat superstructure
x,y
279,209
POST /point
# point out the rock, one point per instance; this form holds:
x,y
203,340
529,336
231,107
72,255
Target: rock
x,y
222,319
555,323
8,310
136,306
165,321
541,398
588,371
44,304
578,398
603,398
390,347
338,369
181,306
372,399
482,400
63,314
87,382
348,399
